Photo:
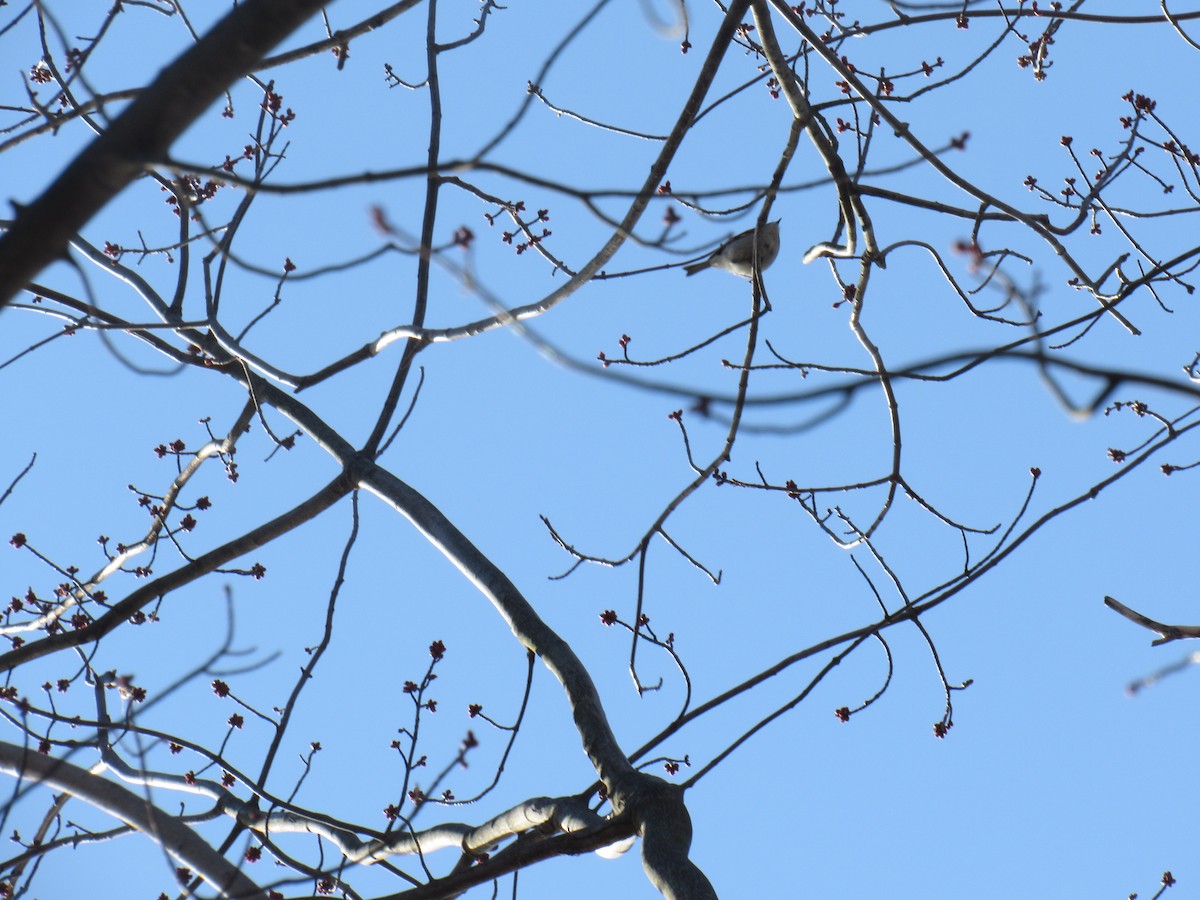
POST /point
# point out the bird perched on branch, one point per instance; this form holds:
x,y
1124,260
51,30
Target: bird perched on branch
x,y
736,255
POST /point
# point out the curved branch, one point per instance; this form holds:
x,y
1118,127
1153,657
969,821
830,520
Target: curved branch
x,y
176,838
1169,632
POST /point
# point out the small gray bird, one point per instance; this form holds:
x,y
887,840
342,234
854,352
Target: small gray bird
x,y
736,255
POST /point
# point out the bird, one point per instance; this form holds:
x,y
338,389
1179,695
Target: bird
x,y
736,255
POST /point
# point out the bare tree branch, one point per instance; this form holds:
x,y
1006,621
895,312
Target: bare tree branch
x,y
144,131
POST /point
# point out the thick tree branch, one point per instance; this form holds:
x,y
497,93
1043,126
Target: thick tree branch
x,y
176,838
145,130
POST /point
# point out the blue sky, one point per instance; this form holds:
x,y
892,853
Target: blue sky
x,y
1053,782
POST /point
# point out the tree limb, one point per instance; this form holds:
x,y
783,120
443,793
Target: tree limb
x,y
144,130
176,838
